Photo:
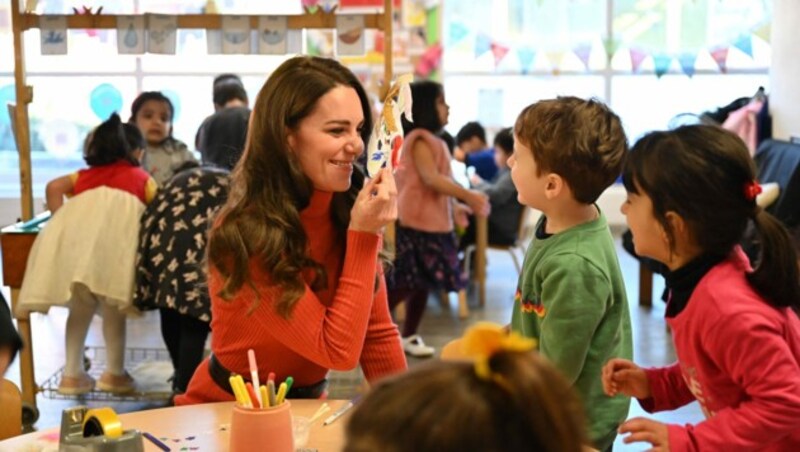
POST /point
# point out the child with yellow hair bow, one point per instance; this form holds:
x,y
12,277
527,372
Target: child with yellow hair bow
x,y
505,399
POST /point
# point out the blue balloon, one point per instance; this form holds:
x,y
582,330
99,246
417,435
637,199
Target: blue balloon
x,y
104,100
7,95
175,98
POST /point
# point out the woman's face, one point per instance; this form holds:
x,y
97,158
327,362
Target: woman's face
x,y
155,121
442,109
328,141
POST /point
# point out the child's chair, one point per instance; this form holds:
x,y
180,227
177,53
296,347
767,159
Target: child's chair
x,y
11,414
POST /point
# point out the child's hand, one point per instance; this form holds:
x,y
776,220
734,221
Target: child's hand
x,y
623,376
642,429
479,203
461,213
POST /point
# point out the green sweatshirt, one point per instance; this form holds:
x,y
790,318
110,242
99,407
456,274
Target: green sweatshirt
x,y
571,299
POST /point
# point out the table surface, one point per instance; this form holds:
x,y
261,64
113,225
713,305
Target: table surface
x,y
196,428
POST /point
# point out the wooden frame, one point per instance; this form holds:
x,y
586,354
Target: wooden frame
x,y
22,21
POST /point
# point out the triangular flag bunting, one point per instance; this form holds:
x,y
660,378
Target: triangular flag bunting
x,y
764,32
457,32
610,45
661,63
499,51
687,61
745,44
637,56
526,56
583,52
555,60
482,44
720,55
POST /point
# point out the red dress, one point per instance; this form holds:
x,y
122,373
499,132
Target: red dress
x,y
336,328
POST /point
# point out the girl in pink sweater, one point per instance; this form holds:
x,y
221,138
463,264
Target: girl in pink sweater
x,y
691,194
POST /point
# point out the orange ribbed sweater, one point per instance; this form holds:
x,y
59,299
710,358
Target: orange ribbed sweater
x,y
336,328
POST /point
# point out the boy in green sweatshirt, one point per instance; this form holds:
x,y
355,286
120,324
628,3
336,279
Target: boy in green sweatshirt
x,y
571,296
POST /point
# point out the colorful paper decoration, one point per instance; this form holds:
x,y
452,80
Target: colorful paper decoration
x,y
687,61
272,35
611,45
555,58
720,55
482,44
105,99
499,51
745,44
764,32
457,32
130,35
526,56
53,35
161,33
661,64
637,57
386,142
349,34
583,52
235,34
429,60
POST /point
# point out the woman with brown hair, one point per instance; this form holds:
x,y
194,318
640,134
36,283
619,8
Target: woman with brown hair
x,y
293,256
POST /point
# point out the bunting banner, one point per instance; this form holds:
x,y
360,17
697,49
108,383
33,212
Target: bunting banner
x,y
687,60
661,64
720,55
583,52
611,45
745,44
555,61
764,32
429,61
457,32
499,51
482,44
637,57
526,55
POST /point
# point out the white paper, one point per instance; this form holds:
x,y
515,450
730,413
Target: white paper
x,y
272,36
235,34
162,33
294,41
213,42
53,31
130,35
349,35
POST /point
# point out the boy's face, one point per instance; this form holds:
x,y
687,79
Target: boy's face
x,y
530,185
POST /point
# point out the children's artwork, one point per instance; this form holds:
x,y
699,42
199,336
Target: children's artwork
x,y
386,142
213,42
53,34
294,41
272,35
130,35
414,14
161,33
349,34
235,34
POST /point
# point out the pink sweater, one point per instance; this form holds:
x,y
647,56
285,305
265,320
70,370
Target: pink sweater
x,y
419,206
740,359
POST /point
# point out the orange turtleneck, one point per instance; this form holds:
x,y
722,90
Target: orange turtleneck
x,y
337,328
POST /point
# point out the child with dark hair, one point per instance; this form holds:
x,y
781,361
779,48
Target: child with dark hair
x,y
571,295
83,259
426,248
152,112
509,399
691,194
471,149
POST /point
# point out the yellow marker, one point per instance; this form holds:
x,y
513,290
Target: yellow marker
x,y
281,392
243,391
263,391
236,390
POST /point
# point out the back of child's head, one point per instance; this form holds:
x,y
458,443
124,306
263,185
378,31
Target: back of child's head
x,y
470,130
580,140
705,175
504,141
134,137
107,143
228,91
526,405
424,94
148,96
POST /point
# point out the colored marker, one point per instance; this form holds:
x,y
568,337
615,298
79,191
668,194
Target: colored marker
x,y
252,393
281,393
236,392
262,390
289,383
251,359
156,441
341,411
273,401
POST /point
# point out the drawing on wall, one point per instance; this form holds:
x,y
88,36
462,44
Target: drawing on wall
x,y
235,34
53,35
349,35
272,35
130,35
161,33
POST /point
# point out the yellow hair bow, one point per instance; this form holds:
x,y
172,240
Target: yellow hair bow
x,y
484,339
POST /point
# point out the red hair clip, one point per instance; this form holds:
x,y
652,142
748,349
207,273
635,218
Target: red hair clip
x,y
751,190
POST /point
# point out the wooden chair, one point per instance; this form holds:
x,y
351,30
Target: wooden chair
x,y
11,413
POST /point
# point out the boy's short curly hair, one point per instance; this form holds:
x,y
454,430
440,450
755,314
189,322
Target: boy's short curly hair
x,y
580,140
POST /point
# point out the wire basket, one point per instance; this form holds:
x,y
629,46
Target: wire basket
x,y
151,368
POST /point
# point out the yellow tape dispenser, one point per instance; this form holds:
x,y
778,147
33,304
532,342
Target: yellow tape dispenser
x,y
96,430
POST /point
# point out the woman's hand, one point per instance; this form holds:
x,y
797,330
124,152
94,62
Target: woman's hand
x,y
479,203
376,204
647,430
461,213
623,376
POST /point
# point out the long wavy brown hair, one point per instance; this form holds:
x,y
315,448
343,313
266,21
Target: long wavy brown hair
x,y
261,218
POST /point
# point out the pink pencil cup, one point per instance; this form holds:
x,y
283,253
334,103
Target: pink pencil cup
x,y
258,430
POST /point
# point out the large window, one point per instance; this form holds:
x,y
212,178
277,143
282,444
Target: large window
x,y
651,60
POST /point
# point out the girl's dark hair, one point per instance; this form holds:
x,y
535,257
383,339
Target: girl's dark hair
x,y
108,144
157,96
134,137
424,94
701,172
261,217
443,405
